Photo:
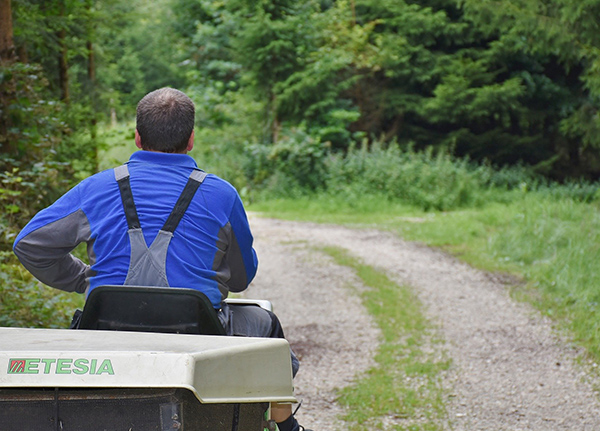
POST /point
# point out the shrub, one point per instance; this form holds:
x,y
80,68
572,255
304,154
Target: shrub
x,y
432,181
296,163
33,173
578,191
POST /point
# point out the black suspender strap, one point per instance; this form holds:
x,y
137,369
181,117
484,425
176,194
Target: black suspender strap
x,y
133,222
196,178
122,177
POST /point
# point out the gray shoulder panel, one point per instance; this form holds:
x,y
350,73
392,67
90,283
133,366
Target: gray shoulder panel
x,y
228,263
198,175
45,252
121,172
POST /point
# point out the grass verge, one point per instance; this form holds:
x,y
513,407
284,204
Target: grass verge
x,y
551,243
403,391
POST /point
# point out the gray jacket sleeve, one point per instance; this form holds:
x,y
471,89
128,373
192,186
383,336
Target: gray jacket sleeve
x,y
45,251
236,261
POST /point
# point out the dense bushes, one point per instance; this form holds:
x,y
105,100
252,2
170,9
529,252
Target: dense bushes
x,y
427,179
27,303
26,186
296,163
39,156
423,179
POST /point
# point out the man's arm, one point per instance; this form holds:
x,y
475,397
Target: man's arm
x,y
45,244
240,256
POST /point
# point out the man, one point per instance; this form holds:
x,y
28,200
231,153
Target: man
x,y
135,236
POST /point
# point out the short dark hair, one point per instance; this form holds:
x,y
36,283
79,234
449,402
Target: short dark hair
x,y
165,120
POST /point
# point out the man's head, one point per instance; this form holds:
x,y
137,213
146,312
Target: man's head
x,y
165,121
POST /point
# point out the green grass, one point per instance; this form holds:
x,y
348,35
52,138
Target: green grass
x,y
551,244
321,208
404,388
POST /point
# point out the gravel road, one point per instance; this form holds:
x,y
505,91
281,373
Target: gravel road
x,y
510,370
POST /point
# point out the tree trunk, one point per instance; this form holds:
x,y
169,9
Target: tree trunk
x,y
7,87
91,62
22,55
90,43
7,46
275,125
92,78
63,65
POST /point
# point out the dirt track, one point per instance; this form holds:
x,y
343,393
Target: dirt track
x,y
510,371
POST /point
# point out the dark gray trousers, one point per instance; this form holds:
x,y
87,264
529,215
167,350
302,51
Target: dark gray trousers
x,y
250,320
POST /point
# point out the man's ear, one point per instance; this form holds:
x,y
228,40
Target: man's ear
x,y
138,139
190,144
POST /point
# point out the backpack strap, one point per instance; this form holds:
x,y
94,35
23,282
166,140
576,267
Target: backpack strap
x,y
185,198
133,222
122,177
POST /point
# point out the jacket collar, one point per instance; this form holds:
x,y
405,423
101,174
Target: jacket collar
x,y
170,159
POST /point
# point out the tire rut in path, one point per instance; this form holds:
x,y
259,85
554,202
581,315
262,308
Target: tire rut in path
x,y
510,371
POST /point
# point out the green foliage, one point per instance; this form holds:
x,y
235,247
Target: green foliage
x,y
493,81
287,92
432,181
423,179
137,53
34,172
27,303
34,119
131,43
557,49
295,164
318,92
24,189
267,43
31,171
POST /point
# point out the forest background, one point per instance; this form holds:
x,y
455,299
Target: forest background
x,y
470,125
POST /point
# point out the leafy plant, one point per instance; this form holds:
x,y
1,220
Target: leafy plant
x,y
296,162
27,303
423,179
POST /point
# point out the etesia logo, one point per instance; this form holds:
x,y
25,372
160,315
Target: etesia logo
x,y
60,366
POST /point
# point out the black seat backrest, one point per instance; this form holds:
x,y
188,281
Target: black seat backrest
x,y
150,309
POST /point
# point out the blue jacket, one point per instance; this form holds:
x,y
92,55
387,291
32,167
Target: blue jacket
x,y
211,249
